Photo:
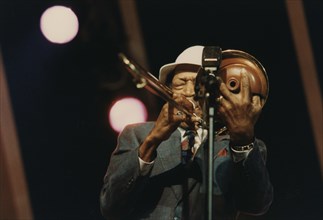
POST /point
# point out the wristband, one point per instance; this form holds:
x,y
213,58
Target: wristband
x,y
242,148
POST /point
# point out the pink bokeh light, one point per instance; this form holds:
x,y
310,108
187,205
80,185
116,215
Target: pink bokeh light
x,y
126,111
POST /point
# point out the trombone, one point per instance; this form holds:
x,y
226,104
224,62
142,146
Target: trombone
x,y
233,61
144,79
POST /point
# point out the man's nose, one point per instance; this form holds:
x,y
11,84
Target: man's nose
x,y
189,89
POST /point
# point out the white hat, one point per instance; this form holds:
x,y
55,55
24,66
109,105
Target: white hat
x,y
191,55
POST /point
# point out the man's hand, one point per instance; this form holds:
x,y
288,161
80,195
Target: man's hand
x,y
170,117
240,111
167,122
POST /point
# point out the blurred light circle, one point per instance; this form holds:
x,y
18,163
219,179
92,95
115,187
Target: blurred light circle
x,y
59,24
126,111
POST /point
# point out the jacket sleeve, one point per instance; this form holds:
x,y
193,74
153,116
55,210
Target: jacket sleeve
x,y
122,184
252,188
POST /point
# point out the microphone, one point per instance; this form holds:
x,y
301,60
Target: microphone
x,y
206,82
211,59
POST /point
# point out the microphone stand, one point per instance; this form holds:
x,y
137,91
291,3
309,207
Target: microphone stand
x,y
206,87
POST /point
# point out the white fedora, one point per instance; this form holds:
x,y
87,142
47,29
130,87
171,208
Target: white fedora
x,y
191,55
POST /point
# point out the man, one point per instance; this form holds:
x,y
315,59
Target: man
x,y
148,176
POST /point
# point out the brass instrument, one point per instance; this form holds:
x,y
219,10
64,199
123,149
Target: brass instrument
x,y
233,61
144,79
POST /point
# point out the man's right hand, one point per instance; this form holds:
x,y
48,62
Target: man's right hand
x,y
167,122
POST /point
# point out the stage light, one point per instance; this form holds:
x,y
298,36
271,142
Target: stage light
x,y
59,24
126,111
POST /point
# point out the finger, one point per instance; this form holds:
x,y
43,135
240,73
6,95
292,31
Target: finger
x,y
219,99
223,89
245,85
193,104
225,105
183,101
257,102
187,104
170,112
178,98
179,115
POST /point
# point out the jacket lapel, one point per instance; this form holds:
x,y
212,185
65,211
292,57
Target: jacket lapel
x,y
169,157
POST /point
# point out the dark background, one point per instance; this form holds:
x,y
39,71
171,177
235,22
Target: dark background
x,y
60,93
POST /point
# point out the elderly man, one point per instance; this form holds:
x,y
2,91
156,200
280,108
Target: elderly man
x,y
156,173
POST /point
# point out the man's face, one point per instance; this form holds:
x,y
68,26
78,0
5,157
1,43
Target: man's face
x,y
183,83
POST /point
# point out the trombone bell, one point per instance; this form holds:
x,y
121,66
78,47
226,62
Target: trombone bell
x,y
233,62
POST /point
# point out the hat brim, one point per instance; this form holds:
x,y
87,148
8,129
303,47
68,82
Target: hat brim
x,y
169,68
